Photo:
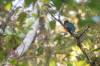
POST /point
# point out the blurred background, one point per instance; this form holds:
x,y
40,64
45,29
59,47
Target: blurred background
x,y
50,48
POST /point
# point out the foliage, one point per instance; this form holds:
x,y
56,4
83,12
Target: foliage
x,y
50,47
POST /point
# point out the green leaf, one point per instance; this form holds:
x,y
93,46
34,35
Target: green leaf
x,y
2,55
1,1
8,0
45,1
52,24
14,62
57,3
80,63
8,6
5,1
69,64
28,2
52,62
22,16
87,21
94,4
71,4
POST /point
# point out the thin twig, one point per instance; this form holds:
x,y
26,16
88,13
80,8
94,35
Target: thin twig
x,y
80,46
55,18
84,31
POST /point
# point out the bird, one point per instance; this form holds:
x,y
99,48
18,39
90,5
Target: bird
x,y
69,27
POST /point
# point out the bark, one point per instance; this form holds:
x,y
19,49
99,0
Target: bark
x,y
31,35
26,43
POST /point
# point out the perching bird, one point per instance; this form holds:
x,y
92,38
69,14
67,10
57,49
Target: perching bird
x,y
69,27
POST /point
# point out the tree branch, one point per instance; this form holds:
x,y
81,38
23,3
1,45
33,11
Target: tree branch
x,y
76,37
83,51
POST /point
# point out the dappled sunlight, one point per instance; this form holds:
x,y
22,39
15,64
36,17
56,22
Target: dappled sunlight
x,y
49,32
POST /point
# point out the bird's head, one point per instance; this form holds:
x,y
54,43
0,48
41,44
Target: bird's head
x,y
66,21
